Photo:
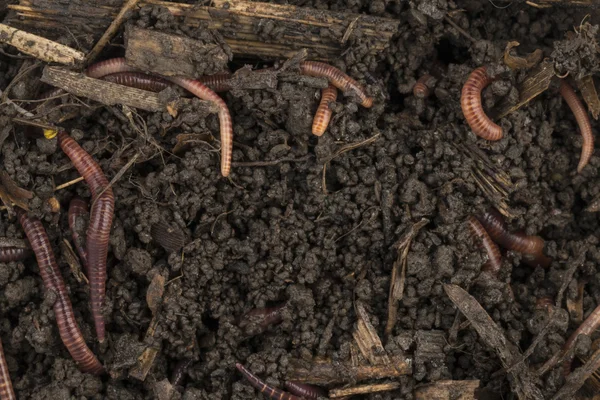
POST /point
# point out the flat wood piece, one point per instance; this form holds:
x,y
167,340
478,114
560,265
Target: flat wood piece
x,y
523,383
367,339
255,29
447,390
363,389
171,55
39,47
336,373
537,81
108,93
590,95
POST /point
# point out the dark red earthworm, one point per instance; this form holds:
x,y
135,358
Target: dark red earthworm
x,y
218,82
8,254
138,80
262,318
116,65
77,208
587,327
337,78
304,390
533,246
6,388
494,262
271,392
422,88
98,233
179,371
583,120
323,114
470,102
63,310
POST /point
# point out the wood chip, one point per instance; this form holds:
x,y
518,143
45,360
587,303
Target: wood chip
x,y
517,62
447,390
367,339
71,258
39,47
364,389
588,91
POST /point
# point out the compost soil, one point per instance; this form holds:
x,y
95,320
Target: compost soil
x,y
320,232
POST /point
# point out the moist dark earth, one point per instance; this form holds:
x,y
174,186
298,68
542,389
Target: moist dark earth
x,y
318,240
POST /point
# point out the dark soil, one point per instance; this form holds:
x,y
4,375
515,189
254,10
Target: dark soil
x,y
289,232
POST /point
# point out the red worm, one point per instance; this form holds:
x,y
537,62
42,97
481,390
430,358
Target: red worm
x,y
53,281
115,65
218,82
583,120
494,262
587,327
77,208
98,233
337,78
138,80
323,115
8,254
6,388
422,88
532,246
258,320
470,102
304,390
271,392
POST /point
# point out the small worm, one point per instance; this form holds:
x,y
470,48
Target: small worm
x,y
470,102
98,233
258,320
587,327
179,371
323,115
533,246
138,80
422,88
271,392
337,78
218,82
77,208
6,388
304,390
53,281
494,262
115,65
8,254
583,120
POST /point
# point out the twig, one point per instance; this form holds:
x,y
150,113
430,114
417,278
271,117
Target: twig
x,y
110,32
67,184
459,29
39,47
270,163
117,176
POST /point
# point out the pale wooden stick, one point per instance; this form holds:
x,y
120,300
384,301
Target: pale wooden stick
x,y
39,47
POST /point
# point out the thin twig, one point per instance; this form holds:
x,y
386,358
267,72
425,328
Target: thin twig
x,y
117,176
270,163
110,32
67,184
459,29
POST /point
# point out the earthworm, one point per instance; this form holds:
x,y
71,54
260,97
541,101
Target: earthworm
x,y
337,78
77,208
6,388
179,371
587,327
323,115
63,310
217,82
98,232
494,223
583,120
494,262
422,88
138,80
304,390
470,102
271,392
8,254
115,65
258,320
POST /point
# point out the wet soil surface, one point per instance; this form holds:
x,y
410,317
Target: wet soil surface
x,y
317,238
